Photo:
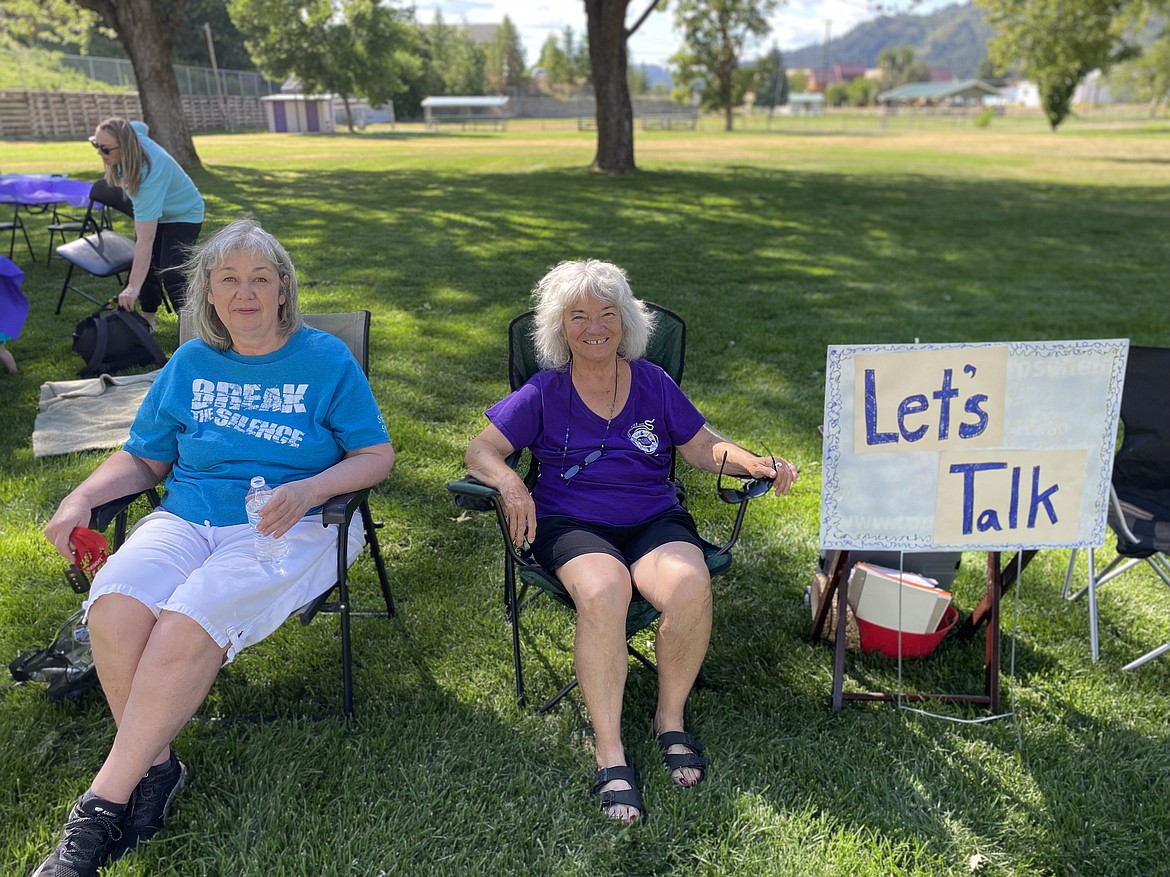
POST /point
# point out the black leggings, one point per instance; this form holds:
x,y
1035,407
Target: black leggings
x,y
172,247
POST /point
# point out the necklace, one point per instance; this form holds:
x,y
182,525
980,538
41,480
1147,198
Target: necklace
x,y
595,455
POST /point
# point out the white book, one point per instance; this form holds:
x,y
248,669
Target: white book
x,y
881,595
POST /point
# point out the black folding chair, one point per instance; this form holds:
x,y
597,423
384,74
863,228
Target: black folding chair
x,y
354,329
14,225
667,349
1139,493
67,225
103,252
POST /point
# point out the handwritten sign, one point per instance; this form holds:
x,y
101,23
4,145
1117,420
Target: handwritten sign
x,y
970,446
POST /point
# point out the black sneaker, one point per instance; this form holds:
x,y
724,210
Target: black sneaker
x,y
90,833
146,814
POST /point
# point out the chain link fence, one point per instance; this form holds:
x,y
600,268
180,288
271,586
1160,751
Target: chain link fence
x,y
35,69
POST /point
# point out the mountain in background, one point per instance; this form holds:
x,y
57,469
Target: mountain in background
x,y
954,37
656,74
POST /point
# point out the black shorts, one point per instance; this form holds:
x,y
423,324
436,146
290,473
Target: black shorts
x,y
560,538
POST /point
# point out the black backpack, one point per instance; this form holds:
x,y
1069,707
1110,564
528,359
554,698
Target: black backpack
x,y
111,340
65,665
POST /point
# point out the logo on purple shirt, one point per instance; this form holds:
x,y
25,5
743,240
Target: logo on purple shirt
x,y
643,437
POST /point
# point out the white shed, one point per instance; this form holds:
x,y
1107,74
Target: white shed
x,y
298,112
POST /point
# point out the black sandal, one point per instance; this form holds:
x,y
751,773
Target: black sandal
x,y
674,762
630,797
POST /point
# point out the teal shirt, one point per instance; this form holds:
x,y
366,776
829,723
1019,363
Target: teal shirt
x,y
165,192
222,418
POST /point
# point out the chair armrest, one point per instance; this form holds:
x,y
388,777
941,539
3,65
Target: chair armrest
x,y
103,515
726,547
340,509
473,495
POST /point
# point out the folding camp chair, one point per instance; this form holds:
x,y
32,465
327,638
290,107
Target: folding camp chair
x,y
102,253
1139,495
354,329
667,348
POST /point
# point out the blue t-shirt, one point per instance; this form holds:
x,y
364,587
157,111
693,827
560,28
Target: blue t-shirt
x,y
165,192
631,481
223,418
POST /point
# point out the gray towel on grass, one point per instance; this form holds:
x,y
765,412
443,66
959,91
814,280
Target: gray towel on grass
x,y
88,413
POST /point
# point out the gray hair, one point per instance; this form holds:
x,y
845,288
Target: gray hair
x,y
566,285
243,235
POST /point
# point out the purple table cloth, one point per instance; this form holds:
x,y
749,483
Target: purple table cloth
x,y
13,304
34,190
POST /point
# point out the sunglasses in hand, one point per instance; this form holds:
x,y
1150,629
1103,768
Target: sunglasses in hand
x,y
752,488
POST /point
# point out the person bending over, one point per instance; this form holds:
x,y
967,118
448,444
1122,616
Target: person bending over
x,y
168,213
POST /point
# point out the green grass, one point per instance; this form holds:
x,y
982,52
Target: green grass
x,y
771,245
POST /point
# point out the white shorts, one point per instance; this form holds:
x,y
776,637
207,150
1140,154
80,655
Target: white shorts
x,y
211,574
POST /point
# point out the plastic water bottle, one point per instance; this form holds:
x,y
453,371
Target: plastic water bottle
x,y
80,655
272,549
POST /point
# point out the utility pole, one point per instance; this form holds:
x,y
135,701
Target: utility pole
x,y
828,28
215,72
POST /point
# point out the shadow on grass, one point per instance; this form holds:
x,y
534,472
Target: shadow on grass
x,y
768,266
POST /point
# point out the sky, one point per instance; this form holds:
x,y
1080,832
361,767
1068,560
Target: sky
x,y
798,22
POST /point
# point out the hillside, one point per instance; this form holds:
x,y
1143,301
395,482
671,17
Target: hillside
x,y
954,37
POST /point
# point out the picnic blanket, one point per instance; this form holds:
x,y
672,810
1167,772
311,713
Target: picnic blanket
x,y
88,413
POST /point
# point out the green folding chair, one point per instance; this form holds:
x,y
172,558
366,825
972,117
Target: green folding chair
x,y
522,574
354,330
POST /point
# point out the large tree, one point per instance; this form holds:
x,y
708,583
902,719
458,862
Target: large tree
x,y
506,68
1057,43
609,61
715,34
457,63
146,29
770,80
344,47
899,67
1148,77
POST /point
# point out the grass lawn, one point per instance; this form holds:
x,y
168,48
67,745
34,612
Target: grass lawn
x,y
772,245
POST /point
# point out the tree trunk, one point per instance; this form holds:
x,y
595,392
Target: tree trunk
x,y
147,32
608,58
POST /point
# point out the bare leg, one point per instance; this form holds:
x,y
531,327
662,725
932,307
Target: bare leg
x,y
600,587
119,628
674,578
174,674
7,360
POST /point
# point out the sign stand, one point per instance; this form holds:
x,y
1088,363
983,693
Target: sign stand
x,y
998,578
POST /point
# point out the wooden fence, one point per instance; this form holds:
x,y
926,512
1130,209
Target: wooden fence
x,y
62,115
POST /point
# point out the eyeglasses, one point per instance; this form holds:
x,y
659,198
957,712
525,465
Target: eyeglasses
x,y
104,150
592,457
752,489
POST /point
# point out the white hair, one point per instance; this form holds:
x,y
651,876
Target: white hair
x,y
571,282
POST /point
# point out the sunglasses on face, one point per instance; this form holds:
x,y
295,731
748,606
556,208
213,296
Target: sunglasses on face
x,y
752,489
104,150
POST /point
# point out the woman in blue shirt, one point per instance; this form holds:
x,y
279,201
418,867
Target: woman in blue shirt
x,y
256,392
168,213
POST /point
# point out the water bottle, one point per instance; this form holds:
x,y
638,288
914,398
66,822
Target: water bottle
x,y
80,655
267,547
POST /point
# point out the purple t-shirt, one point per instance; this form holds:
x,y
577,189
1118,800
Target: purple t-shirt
x,y
630,483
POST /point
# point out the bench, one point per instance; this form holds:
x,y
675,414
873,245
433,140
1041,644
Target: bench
x,y
669,121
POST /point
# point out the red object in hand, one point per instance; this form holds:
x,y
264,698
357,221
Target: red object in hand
x,y
90,549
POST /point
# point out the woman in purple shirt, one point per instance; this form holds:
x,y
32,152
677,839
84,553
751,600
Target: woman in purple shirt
x,y
603,514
